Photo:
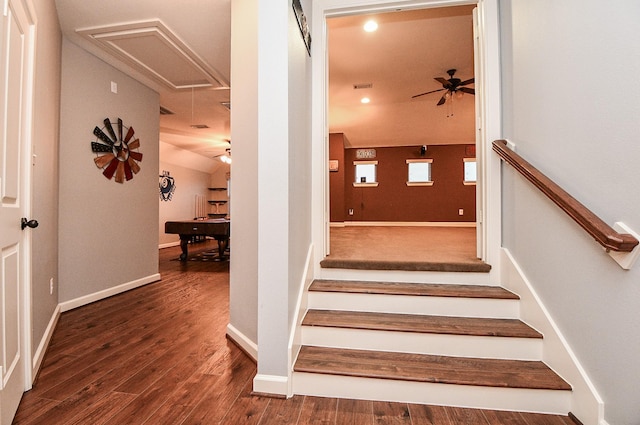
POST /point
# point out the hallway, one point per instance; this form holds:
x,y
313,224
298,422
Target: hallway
x,y
158,354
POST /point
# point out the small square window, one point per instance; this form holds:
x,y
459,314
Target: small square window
x,y
365,173
470,171
419,172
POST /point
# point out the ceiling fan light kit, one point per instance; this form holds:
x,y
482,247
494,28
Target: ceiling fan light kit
x,y
452,87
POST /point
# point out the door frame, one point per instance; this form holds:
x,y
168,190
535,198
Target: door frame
x,y
27,11
489,120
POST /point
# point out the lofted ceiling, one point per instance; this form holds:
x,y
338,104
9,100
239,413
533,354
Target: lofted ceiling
x,y
184,54
401,59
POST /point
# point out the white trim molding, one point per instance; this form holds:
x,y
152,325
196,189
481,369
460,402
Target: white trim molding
x,y
245,343
44,342
100,295
405,224
295,337
586,403
271,384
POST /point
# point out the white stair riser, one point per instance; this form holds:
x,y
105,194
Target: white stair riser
x,y
421,343
523,400
405,276
443,306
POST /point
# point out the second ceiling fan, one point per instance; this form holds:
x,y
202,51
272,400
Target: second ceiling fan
x,y
450,86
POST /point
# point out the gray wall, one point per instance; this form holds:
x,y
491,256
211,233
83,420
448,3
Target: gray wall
x,y
45,170
571,106
108,232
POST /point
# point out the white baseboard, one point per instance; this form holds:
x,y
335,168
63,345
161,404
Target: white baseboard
x,y
295,338
587,405
246,344
169,245
44,343
271,384
100,295
405,223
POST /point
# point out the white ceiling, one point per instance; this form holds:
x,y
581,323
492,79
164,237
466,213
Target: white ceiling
x,y
183,52
191,36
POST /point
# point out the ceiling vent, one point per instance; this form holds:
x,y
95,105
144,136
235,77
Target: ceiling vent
x,y
362,86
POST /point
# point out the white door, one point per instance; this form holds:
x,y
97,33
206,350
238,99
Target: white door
x,y
15,122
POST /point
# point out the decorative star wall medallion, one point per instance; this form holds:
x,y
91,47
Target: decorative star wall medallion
x,y
116,155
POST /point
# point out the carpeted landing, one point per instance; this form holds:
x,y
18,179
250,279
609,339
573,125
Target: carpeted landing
x,y
446,249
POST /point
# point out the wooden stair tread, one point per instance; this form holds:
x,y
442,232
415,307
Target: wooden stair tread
x,y
420,323
429,368
418,289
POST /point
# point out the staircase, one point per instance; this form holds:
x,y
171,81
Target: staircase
x,y
442,344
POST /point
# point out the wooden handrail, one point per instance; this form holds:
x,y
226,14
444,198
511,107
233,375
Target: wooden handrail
x,y
604,234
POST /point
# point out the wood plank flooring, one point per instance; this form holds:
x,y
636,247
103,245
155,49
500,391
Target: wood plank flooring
x,y
158,355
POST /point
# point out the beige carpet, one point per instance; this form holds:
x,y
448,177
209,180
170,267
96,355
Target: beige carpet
x,y
404,248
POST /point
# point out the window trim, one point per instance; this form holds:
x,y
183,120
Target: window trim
x,y
422,160
469,182
370,184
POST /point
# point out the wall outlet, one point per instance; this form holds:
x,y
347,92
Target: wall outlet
x,y
51,286
114,87
460,211
350,211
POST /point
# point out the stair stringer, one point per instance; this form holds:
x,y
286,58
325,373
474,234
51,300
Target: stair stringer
x,y
586,403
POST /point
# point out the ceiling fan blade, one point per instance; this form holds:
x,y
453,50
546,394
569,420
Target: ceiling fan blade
x,y
442,100
465,82
429,92
445,83
467,90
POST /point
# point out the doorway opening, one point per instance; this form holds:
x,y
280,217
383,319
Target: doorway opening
x,y
401,100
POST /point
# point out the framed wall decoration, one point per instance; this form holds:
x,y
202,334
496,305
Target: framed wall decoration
x,y
302,24
365,153
116,155
167,186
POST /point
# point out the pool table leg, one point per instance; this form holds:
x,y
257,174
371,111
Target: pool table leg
x,y
184,244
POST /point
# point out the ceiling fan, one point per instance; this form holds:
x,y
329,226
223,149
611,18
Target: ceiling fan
x,y
452,86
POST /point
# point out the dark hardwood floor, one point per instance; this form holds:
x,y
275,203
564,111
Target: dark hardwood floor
x,y
158,355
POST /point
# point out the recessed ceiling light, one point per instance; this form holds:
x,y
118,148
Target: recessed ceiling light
x,y
365,100
371,26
